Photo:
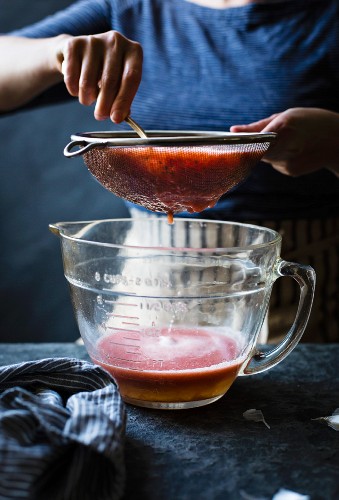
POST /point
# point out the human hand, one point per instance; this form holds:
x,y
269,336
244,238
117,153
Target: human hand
x,y
105,68
307,140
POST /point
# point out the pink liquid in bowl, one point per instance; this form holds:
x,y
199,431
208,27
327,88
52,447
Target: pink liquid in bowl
x,y
175,365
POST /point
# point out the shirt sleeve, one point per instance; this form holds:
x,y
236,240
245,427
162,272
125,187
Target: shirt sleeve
x,y
84,17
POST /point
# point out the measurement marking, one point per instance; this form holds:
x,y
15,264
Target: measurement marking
x,y
122,329
125,345
125,359
130,367
113,315
123,304
136,339
119,359
107,301
110,290
127,323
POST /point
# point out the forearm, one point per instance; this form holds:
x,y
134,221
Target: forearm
x,y
27,68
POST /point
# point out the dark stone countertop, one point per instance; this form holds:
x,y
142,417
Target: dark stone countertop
x,y
213,453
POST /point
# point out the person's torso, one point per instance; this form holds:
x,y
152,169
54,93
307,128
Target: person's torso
x,y
208,69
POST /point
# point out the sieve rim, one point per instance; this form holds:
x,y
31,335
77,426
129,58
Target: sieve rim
x,y
86,141
276,237
171,137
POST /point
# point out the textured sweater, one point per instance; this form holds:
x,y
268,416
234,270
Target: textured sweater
x,y
207,69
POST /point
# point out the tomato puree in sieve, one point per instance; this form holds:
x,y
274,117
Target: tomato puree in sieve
x,y
172,179
176,365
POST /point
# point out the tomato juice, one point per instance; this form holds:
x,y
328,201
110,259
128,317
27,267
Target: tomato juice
x,y
176,365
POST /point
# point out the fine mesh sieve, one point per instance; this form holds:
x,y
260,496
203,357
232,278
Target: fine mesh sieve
x,y
170,171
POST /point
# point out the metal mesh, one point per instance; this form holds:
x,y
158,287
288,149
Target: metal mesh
x,y
173,179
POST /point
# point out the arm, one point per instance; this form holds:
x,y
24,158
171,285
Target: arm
x,y
27,68
105,68
308,140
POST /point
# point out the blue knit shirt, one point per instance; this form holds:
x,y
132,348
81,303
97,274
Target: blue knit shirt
x,y
208,69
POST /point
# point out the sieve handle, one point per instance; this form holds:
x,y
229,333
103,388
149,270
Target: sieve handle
x,y
305,277
86,146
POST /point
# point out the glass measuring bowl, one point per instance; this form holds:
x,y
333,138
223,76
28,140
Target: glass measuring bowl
x,y
174,311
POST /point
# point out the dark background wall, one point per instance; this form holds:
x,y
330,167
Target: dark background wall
x,y
38,185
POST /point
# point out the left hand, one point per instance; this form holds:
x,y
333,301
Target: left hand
x,y
307,140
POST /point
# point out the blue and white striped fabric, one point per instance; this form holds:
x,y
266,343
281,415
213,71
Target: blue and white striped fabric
x,y
62,424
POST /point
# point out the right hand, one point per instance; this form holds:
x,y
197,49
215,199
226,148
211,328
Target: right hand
x,y
105,68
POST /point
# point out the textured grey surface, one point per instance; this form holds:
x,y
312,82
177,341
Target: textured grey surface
x,y
214,453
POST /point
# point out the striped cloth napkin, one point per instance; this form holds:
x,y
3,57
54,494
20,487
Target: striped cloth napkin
x,y
62,424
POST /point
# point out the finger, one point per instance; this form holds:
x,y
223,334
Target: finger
x,y
109,86
71,66
110,81
90,71
257,126
286,149
130,82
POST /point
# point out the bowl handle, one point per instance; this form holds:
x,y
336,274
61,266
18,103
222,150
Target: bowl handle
x,y
305,276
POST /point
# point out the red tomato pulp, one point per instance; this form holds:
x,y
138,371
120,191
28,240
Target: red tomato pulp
x,y
171,179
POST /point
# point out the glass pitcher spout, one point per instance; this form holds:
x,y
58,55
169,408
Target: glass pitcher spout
x,y
72,229
56,228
